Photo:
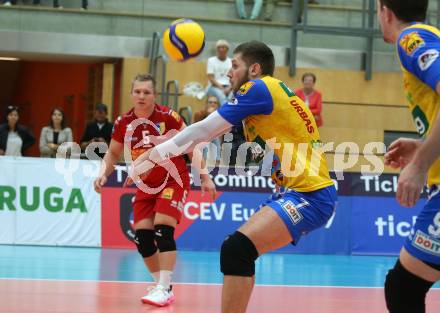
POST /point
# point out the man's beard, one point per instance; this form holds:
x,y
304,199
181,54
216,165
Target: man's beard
x,y
243,80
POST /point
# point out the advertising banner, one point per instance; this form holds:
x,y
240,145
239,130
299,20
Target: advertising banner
x,y
368,219
49,202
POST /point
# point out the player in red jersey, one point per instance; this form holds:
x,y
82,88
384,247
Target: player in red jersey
x,y
157,207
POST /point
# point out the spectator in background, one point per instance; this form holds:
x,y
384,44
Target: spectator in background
x,y
56,3
241,9
217,69
14,138
14,2
54,135
311,96
100,130
211,105
269,8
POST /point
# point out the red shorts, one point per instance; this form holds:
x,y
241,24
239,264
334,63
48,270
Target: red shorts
x,y
169,201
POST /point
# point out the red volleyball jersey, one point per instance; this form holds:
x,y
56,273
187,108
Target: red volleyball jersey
x,y
143,135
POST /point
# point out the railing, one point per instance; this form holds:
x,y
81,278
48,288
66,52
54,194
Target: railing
x,y
367,30
172,89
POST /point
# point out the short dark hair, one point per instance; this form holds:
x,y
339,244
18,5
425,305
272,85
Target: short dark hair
x,y
257,52
144,78
407,10
63,121
101,107
313,76
10,109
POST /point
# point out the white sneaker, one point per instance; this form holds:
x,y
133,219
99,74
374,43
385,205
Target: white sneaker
x,y
7,4
149,290
159,296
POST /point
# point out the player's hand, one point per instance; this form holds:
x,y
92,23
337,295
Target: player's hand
x,y
99,182
401,152
412,179
52,146
208,186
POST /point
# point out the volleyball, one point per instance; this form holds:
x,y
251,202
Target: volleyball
x,y
183,39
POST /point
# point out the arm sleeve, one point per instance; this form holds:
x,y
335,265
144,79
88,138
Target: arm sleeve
x,y
419,52
209,67
44,149
118,134
175,121
252,98
317,105
69,135
186,140
29,139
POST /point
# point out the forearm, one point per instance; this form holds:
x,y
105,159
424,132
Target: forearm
x,y
429,150
199,163
108,164
186,140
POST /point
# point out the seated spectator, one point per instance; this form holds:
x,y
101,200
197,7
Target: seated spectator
x,y
54,135
269,8
241,9
56,3
14,2
14,138
211,105
100,130
217,69
311,96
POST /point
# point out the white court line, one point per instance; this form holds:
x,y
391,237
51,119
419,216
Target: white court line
x,y
180,283
196,284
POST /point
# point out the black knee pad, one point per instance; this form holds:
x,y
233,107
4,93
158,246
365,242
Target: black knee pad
x,y
238,255
144,240
404,291
164,236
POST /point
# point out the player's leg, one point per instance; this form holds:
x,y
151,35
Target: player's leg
x,y
283,220
418,267
256,9
164,226
166,218
144,240
241,9
408,283
264,231
143,211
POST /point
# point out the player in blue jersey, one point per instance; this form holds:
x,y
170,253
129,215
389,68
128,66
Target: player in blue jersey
x,y
418,46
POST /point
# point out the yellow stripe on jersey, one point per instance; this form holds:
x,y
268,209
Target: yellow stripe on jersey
x,y
291,132
424,102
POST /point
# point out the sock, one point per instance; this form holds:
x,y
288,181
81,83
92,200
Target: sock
x,y
165,279
156,276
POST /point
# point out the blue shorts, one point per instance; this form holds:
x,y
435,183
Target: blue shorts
x,y
424,241
303,212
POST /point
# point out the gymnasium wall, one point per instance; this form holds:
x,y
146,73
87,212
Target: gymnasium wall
x,y
42,86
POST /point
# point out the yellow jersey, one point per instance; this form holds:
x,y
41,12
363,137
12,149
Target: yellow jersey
x,y
418,47
280,129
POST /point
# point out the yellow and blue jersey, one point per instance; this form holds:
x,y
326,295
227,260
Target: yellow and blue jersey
x,y
419,49
276,121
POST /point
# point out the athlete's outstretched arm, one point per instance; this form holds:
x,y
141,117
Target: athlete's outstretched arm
x,y
184,142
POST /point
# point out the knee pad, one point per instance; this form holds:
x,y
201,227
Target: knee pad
x,y
404,291
144,240
238,255
164,236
